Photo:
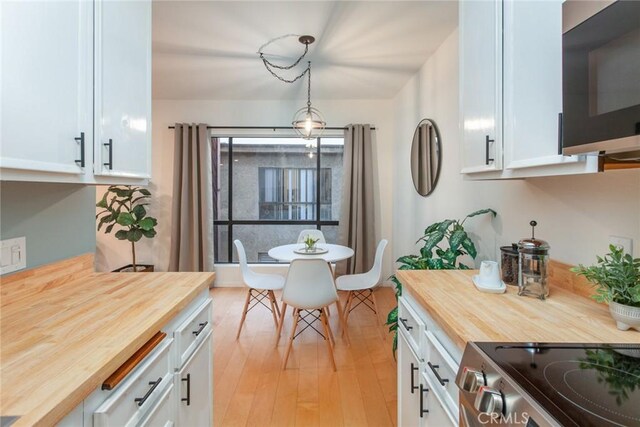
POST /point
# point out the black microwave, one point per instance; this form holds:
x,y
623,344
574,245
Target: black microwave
x,y
601,77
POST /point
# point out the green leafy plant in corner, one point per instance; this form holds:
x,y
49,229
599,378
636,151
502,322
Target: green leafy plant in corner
x,y
616,277
434,255
124,205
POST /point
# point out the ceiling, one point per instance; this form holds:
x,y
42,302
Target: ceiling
x,y
363,49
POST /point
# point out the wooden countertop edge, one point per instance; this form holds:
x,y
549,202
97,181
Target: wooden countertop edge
x,y
460,342
55,411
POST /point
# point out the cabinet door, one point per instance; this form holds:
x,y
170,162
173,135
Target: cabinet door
x,y
123,88
46,85
408,384
437,416
481,85
195,399
533,83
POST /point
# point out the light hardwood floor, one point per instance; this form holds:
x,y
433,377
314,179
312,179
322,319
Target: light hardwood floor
x,y
250,387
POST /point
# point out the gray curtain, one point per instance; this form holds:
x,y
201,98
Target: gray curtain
x,y
193,199
357,222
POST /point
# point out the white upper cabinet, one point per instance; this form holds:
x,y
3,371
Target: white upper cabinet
x,y
123,89
46,86
481,85
525,77
53,98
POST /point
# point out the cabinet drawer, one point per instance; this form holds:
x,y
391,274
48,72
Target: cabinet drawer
x,y
441,369
440,414
132,399
410,323
162,415
192,331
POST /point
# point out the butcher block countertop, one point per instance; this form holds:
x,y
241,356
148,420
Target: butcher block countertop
x,y
65,329
466,314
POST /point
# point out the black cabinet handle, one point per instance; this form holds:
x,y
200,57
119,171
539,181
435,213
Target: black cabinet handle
x,y
140,400
433,368
110,146
202,326
80,140
404,323
423,411
559,133
188,398
413,386
487,141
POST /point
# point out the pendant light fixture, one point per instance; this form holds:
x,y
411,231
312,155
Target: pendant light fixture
x,y
307,122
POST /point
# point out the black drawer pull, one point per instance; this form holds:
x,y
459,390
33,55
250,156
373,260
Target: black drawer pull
x,y
487,159
404,323
80,140
109,144
413,386
200,329
423,411
140,400
441,380
188,398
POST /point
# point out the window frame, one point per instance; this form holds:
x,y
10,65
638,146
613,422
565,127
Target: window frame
x,y
230,222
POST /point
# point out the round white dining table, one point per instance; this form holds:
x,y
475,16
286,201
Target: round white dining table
x,y
335,253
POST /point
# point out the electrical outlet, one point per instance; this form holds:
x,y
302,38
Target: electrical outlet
x,y
625,243
13,255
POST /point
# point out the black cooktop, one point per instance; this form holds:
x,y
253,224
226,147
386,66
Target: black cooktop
x,y
578,384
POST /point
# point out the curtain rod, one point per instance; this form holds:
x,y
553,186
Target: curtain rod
x,y
265,127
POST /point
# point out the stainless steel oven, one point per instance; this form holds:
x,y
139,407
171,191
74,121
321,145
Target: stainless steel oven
x,y
601,77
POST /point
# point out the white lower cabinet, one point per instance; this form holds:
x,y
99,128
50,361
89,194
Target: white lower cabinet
x,y
427,366
408,383
195,387
161,391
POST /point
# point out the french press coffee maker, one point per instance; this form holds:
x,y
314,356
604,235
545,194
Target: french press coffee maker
x,y
533,262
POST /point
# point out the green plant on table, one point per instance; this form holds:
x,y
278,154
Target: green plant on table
x,y
310,242
124,205
616,277
436,256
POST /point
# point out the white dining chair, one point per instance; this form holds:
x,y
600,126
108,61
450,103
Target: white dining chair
x,y
361,286
314,233
309,288
260,286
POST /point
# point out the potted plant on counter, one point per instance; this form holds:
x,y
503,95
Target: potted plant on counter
x,y
124,205
616,277
435,256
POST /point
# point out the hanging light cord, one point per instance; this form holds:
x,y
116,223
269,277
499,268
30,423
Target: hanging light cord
x,y
270,65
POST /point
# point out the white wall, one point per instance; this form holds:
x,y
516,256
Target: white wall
x,y
112,253
576,214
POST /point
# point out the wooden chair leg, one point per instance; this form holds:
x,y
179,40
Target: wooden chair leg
x,y
345,315
327,331
296,316
281,322
378,320
275,302
273,307
343,324
244,312
333,340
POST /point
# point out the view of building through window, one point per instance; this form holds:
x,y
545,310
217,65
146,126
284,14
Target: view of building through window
x,y
270,189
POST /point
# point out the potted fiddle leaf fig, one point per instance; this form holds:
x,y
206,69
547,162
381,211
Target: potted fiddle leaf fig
x,y
616,278
436,256
124,206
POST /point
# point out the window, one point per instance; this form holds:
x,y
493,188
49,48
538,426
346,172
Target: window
x,y
270,189
290,193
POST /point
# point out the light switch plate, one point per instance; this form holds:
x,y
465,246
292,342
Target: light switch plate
x,y
625,243
13,255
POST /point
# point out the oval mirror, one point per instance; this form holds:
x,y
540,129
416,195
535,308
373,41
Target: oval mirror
x,y
426,153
